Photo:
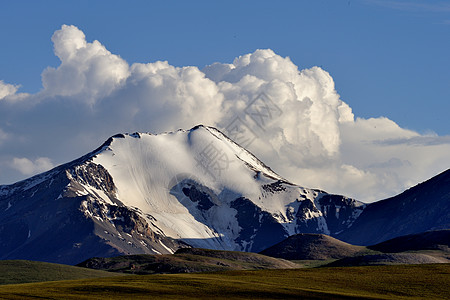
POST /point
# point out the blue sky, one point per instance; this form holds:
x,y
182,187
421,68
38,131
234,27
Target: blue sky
x,y
370,121
388,58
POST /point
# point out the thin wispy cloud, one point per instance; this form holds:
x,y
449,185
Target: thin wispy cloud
x,y
417,141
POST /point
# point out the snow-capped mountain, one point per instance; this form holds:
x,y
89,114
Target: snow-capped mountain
x,y
146,193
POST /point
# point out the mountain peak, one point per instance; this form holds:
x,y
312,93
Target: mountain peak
x,y
154,193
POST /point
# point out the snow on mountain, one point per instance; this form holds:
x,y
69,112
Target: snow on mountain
x,y
146,193
201,164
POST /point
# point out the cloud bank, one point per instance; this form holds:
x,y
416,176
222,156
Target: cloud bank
x,y
294,120
28,167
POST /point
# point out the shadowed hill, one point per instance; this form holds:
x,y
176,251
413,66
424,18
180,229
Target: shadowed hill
x,y
422,248
430,240
187,261
307,246
387,259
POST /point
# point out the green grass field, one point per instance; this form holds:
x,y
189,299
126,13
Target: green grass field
x,y
22,271
374,282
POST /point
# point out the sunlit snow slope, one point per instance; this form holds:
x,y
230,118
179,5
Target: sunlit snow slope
x,y
191,185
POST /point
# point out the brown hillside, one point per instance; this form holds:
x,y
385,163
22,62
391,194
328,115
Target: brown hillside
x,y
307,246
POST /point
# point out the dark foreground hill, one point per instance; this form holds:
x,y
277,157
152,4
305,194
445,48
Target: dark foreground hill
x,y
187,261
306,246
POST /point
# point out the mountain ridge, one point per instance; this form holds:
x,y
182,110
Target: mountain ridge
x,y
143,193
421,208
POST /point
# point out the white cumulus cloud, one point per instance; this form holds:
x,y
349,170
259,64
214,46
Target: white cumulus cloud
x,y
294,120
87,69
7,89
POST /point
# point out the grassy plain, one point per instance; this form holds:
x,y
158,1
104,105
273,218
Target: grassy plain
x,y
372,282
24,271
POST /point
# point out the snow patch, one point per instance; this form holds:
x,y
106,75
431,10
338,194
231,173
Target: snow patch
x,y
167,248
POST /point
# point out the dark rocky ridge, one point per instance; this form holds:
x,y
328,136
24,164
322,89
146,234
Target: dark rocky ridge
x,y
421,208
